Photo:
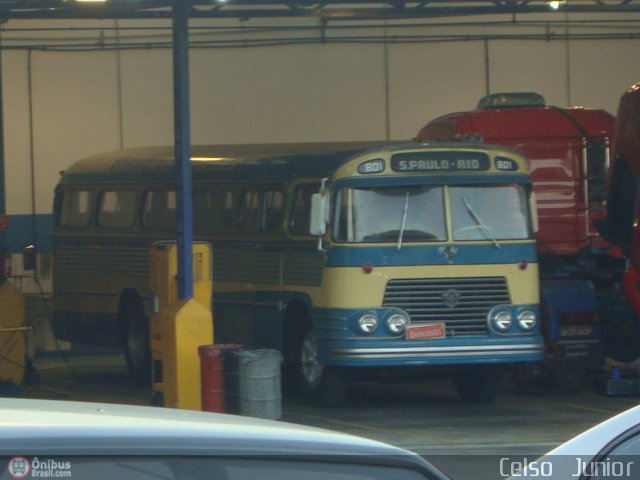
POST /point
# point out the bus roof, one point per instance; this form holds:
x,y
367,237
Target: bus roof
x,y
284,158
274,161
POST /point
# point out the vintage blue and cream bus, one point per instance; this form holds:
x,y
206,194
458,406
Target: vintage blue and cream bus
x,y
351,259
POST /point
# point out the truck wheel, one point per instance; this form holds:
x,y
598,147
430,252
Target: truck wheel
x,y
137,344
479,384
321,385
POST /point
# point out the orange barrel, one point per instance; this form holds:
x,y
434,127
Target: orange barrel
x,y
212,376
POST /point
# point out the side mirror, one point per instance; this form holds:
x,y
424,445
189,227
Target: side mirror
x,y
29,257
319,214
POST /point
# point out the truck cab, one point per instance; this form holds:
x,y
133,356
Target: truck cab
x,y
569,153
621,225
621,211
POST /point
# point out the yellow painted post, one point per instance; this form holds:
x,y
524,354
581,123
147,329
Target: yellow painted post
x,y
179,327
12,334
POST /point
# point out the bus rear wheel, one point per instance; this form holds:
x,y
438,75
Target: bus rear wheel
x,y
321,385
137,343
479,383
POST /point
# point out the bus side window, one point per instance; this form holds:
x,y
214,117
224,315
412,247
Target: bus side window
x,y
272,210
117,209
221,211
248,210
159,209
76,208
200,210
212,210
301,209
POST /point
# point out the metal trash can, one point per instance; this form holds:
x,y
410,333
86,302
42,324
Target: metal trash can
x,y
212,376
260,392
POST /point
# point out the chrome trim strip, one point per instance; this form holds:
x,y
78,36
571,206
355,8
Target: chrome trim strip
x,y
436,355
248,303
87,292
457,348
146,297
95,293
472,350
335,329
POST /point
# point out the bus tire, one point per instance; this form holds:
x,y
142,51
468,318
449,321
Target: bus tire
x,y
320,385
479,384
136,343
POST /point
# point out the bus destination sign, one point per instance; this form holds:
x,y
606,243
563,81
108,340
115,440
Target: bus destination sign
x,y
450,161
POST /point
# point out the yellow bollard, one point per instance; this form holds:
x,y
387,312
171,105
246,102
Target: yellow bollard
x,y
179,327
12,334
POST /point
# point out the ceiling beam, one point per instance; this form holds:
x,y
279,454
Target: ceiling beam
x,y
329,9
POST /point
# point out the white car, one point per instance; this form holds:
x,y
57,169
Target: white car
x,y
609,450
49,439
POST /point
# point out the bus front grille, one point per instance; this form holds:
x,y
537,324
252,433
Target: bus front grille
x,y
461,303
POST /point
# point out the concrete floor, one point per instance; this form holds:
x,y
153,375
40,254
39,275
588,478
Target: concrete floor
x,y
465,440
416,416
427,418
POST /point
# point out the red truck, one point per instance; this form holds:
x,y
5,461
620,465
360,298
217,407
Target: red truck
x,y
621,226
569,150
569,153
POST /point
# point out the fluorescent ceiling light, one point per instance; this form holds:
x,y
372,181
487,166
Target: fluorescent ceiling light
x,y
556,4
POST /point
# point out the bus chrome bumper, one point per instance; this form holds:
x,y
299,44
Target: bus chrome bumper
x,y
530,351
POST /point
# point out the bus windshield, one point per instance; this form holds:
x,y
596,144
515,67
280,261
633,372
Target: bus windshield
x,y
390,214
406,214
489,212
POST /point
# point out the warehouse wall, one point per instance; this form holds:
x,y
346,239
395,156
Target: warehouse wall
x,y
60,106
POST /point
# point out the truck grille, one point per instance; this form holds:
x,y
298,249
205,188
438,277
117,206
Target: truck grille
x,y
461,303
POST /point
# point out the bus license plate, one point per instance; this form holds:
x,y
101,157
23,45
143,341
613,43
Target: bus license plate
x,y
425,332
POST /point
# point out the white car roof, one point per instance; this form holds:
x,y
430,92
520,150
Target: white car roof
x,y
567,461
592,441
77,427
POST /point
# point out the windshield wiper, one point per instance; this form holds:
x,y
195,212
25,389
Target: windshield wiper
x,y
483,227
404,221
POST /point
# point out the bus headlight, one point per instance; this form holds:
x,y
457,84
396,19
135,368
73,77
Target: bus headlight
x,y
396,323
502,321
368,323
527,320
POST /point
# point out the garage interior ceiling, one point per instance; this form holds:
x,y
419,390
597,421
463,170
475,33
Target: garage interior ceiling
x,y
113,24
327,10
255,23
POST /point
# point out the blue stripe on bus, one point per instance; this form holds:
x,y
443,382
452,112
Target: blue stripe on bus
x,y
30,229
431,255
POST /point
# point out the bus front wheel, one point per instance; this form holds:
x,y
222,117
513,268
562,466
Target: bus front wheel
x,y
137,344
321,385
479,384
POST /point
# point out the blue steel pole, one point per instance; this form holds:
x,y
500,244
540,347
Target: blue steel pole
x,y
3,205
4,220
184,213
